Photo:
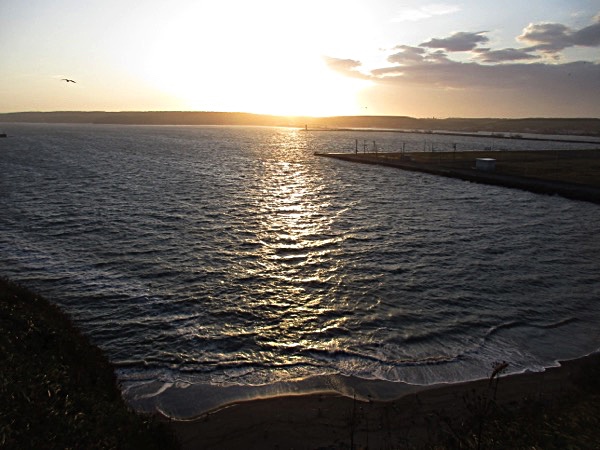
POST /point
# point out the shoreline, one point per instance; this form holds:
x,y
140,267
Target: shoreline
x,y
322,420
423,417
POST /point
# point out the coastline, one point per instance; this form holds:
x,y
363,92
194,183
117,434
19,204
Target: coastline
x,y
563,126
423,417
416,419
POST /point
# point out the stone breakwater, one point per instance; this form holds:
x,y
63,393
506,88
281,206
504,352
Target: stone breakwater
x,y
550,187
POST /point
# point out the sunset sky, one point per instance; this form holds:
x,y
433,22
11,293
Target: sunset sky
x,y
468,58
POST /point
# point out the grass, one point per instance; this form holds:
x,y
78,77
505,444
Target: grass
x,y
572,166
57,391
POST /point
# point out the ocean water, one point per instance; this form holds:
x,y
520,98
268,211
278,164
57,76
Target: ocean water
x,y
214,264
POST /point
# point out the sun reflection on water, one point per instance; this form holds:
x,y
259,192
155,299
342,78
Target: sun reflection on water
x,y
299,250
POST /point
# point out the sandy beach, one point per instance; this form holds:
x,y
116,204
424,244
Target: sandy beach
x,y
417,419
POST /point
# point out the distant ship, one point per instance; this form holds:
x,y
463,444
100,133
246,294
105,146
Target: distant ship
x,y
3,135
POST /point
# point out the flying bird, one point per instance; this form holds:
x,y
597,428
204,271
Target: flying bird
x,y
68,81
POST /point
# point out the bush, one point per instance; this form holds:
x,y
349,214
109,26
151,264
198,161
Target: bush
x,y
56,389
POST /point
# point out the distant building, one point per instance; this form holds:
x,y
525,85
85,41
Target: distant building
x,y
485,164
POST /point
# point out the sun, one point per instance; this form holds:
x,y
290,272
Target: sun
x,y
246,62
308,88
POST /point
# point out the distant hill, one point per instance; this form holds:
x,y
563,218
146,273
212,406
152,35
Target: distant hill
x,y
583,126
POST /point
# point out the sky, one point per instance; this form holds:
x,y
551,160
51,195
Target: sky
x,y
469,58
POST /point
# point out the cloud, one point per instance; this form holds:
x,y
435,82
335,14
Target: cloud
x,y
413,14
577,76
510,74
547,37
342,64
348,67
458,42
445,75
407,55
588,36
554,37
498,56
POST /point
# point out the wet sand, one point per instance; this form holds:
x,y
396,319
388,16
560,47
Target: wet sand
x,y
332,422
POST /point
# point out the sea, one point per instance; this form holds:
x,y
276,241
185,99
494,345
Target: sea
x,y
215,264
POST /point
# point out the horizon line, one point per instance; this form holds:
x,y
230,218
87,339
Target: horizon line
x,y
283,116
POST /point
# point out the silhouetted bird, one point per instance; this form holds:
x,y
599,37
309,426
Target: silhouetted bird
x,y
68,81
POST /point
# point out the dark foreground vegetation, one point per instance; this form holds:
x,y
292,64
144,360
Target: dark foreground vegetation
x,y
57,391
566,420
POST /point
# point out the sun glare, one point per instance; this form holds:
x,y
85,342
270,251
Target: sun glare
x,y
248,62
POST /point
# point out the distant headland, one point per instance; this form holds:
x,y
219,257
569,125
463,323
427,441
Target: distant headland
x,y
570,126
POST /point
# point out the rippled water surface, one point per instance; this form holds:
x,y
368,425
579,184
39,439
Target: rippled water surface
x,y
230,259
